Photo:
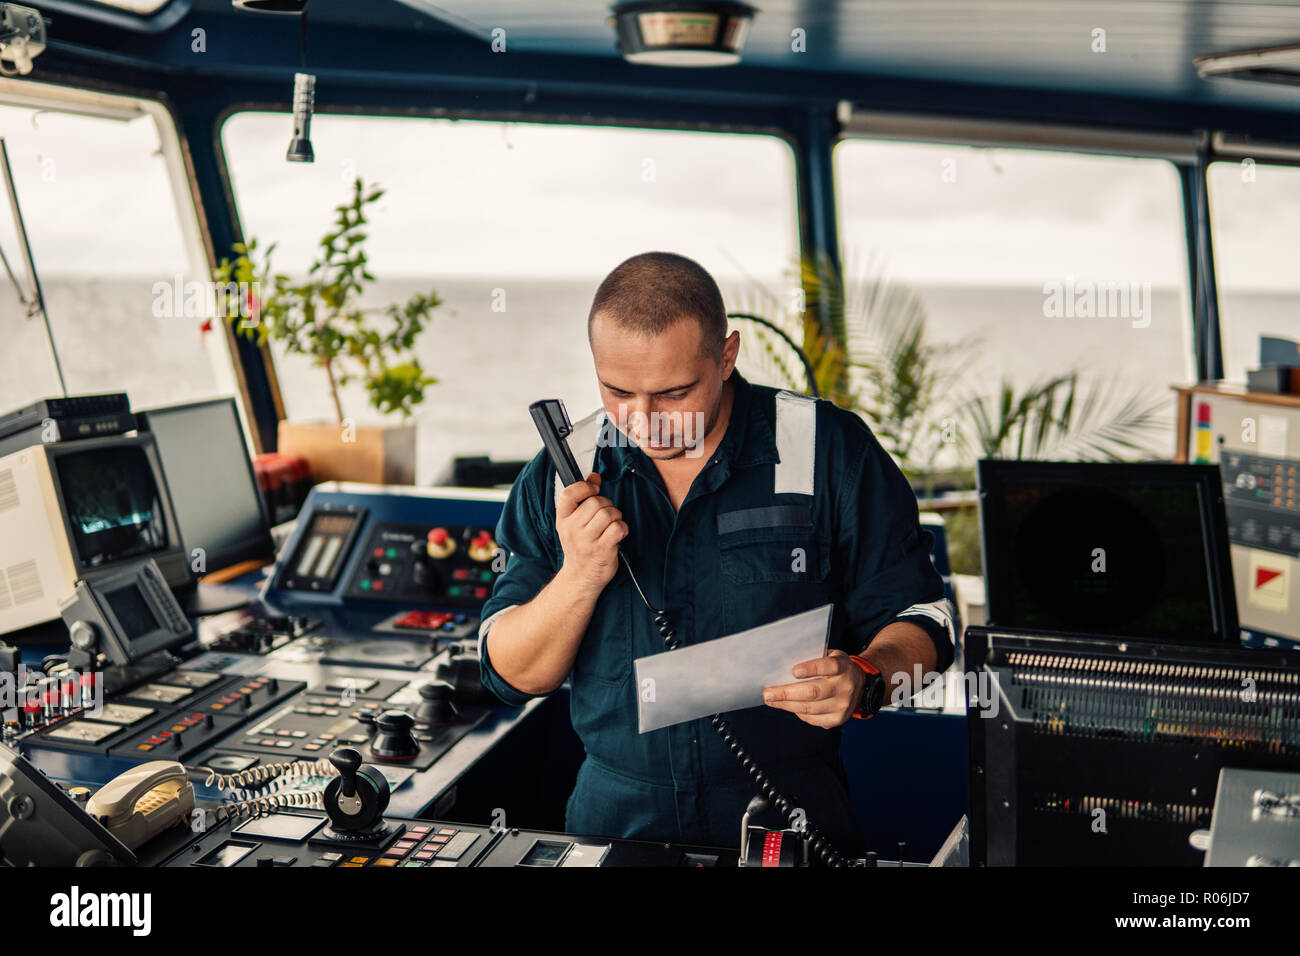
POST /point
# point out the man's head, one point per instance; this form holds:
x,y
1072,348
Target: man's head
x,y
658,333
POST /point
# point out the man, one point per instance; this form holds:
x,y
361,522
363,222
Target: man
x,y
736,505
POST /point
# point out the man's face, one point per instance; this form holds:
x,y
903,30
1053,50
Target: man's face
x,y
663,391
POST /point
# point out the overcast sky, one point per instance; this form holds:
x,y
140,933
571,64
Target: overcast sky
x,y
485,199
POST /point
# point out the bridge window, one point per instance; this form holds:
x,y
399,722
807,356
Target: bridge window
x,y
514,226
118,252
1253,209
1024,265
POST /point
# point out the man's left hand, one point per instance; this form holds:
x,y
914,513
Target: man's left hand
x,y
828,701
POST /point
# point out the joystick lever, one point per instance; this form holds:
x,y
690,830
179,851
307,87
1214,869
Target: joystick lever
x,y
355,800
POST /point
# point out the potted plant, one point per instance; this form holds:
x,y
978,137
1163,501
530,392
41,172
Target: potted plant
x,y
321,317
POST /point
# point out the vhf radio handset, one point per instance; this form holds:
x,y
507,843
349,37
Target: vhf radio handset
x,y
553,423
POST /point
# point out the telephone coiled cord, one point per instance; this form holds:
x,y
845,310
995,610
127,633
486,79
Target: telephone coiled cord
x,y
263,806
265,773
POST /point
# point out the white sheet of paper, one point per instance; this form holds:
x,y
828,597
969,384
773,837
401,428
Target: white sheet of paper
x,y
728,673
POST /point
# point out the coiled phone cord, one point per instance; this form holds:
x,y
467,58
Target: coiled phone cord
x,y
817,843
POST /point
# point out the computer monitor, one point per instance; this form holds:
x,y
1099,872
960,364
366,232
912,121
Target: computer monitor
x,y
77,509
213,488
1107,549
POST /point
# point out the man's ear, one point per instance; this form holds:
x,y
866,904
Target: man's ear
x,y
730,352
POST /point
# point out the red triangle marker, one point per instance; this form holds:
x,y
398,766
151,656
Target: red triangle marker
x,y
1264,575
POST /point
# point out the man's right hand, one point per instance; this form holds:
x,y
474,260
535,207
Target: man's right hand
x,y
590,528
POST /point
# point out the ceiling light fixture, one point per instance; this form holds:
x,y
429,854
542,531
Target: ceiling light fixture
x,y
682,34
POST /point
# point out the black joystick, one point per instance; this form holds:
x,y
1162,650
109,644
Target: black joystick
x,y
393,739
436,706
355,800
464,673
347,762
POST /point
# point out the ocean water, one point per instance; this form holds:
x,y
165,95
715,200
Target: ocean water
x,y
498,344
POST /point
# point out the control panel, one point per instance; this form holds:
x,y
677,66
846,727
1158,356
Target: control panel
x,y
173,715
354,713
1256,443
450,565
417,564
298,840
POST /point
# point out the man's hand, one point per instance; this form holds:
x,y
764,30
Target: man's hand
x,y
826,702
590,528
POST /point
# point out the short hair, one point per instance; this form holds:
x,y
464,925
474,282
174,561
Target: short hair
x,y
654,290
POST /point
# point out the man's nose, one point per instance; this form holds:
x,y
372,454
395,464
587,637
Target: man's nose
x,y
638,413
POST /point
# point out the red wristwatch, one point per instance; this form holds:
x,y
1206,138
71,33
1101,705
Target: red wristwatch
x,y
873,691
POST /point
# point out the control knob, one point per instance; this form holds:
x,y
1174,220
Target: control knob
x,y
393,739
436,705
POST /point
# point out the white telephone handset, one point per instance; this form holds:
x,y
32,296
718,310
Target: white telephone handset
x,y
144,801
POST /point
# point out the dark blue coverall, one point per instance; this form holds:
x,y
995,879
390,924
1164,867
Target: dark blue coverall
x,y
722,564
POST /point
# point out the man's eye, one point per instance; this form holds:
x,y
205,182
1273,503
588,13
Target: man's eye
x,y
678,398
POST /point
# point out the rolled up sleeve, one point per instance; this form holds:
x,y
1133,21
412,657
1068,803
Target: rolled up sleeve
x,y
885,553
525,536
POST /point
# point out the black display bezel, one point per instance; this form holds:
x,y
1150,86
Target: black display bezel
x,y
256,547
124,650
995,474
170,557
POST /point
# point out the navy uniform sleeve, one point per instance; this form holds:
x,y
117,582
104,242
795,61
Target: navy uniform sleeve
x,y
526,536
888,574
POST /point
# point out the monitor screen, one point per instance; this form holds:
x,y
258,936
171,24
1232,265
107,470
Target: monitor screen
x,y
210,476
132,611
112,503
1085,548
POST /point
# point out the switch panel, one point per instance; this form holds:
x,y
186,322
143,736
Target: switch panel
x,y
451,565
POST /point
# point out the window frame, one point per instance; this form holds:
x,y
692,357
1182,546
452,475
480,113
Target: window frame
x,y
1185,152
799,163
182,184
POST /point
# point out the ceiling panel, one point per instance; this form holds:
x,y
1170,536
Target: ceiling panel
x,y
1149,45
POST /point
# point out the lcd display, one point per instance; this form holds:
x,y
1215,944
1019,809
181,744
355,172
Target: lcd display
x,y
544,853
228,854
1108,558
213,490
322,552
132,612
112,503
281,826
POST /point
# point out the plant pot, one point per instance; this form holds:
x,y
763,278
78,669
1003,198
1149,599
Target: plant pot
x,y
375,455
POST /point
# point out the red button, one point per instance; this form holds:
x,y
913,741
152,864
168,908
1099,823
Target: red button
x,y
480,592
377,585
460,574
438,535
423,620
379,552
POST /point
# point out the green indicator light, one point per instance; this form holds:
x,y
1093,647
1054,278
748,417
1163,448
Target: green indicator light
x,y
365,584
392,552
